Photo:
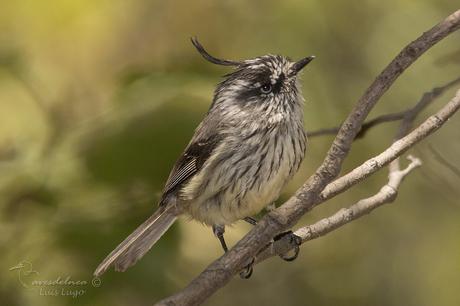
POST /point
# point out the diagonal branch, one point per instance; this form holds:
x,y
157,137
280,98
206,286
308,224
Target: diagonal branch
x,y
344,182
385,195
426,99
365,206
222,270
391,117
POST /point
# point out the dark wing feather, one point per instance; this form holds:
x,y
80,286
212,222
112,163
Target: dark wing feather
x,y
186,168
192,160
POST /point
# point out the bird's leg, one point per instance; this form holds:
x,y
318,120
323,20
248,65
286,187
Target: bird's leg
x,y
219,231
293,239
247,272
250,220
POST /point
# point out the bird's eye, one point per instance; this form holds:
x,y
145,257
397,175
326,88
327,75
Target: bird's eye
x,y
266,88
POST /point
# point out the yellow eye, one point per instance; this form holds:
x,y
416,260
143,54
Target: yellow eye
x,y
266,88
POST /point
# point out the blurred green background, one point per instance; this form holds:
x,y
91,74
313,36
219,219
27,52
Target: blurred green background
x,y
98,99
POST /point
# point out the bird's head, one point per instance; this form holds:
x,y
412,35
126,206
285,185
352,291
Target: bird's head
x,y
268,82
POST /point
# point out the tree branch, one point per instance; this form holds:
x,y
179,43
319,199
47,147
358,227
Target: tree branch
x,y
426,99
346,181
385,195
222,270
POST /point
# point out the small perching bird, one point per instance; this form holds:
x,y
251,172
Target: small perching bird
x,y
249,145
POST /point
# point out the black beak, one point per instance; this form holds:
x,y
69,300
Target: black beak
x,y
301,64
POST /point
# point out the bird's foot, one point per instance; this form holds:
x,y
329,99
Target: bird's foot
x,y
248,269
293,239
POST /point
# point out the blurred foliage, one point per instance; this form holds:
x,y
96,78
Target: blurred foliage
x,y
98,99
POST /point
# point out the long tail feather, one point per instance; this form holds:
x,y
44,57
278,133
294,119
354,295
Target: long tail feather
x,y
138,243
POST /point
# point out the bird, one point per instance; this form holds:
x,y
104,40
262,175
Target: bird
x,y
246,149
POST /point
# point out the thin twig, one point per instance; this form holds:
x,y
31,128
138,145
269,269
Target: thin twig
x,y
366,126
426,99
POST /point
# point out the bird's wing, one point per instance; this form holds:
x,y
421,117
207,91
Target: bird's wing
x,y
204,142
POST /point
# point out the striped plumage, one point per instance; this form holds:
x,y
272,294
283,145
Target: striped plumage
x,y
262,147
249,145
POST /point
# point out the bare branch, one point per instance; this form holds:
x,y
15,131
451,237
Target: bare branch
x,y
426,99
365,206
365,127
222,270
397,148
385,195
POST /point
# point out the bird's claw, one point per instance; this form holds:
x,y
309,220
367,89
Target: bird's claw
x,y
248,269
293,239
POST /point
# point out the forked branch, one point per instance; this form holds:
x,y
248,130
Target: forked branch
x,y
388,192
